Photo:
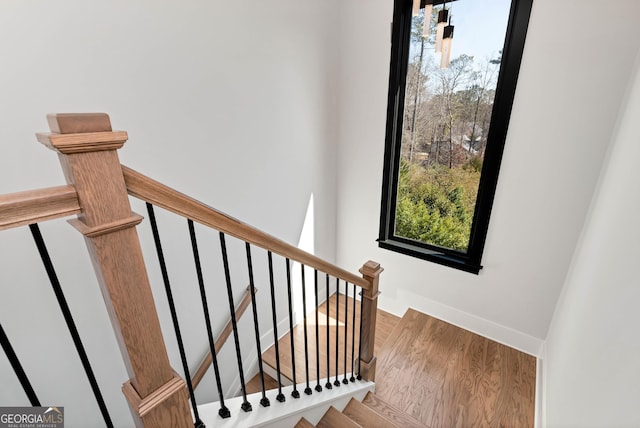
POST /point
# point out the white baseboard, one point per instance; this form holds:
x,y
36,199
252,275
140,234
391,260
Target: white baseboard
x,y
489,329
541,389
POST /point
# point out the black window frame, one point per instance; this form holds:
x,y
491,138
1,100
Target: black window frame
x,y
505,91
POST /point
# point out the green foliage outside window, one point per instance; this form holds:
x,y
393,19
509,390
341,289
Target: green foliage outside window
x,y
436,204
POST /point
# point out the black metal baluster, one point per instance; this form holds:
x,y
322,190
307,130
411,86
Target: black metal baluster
x,y
294,393
71,325
174,315
224,410
346,324
246,406
337,382
328,384
280,397
353,336
307,390
315,288
17,368
264,401
360,338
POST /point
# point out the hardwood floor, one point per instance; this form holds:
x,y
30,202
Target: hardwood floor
x,y
439,374
445,376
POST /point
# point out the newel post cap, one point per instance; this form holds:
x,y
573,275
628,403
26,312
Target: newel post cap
x,y
81,132
78,123
371,269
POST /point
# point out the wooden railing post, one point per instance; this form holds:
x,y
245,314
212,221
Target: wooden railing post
x,y
87,148
371,273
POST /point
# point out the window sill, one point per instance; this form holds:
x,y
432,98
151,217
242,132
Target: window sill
x,y
430,255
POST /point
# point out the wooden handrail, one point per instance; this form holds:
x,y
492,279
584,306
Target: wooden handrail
x,y
222,338
22,208
149,190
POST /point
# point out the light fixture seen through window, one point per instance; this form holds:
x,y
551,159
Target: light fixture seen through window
x,y
428,11
447,39
416,7
444,29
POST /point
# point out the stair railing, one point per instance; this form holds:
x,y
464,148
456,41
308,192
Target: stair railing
x,y
98,193
158,194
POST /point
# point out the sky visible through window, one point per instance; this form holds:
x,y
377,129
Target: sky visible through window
x,y
480,27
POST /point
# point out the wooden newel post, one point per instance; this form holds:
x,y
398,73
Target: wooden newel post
x,y
371,273
87,148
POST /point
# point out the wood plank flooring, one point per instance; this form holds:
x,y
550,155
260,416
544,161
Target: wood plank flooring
x,y
445,376
439,374
386,322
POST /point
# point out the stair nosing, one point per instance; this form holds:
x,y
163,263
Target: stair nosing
x,y
358,406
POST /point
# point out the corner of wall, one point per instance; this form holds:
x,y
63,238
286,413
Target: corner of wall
x,y
541,392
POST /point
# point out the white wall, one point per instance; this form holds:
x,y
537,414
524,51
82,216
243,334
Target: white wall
x,y
262,97
592,375
571,83
231,102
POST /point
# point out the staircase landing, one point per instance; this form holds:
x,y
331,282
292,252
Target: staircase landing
x,y
445,376
435,373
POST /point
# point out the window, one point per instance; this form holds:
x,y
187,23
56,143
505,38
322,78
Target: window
x,y
448,112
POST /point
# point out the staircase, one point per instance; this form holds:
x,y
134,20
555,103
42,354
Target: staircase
x,y
435,372
100,192
370,412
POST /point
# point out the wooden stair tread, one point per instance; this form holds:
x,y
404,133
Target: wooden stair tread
x,y
334,419
366,416
255,385
391,413
303,423
384,325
